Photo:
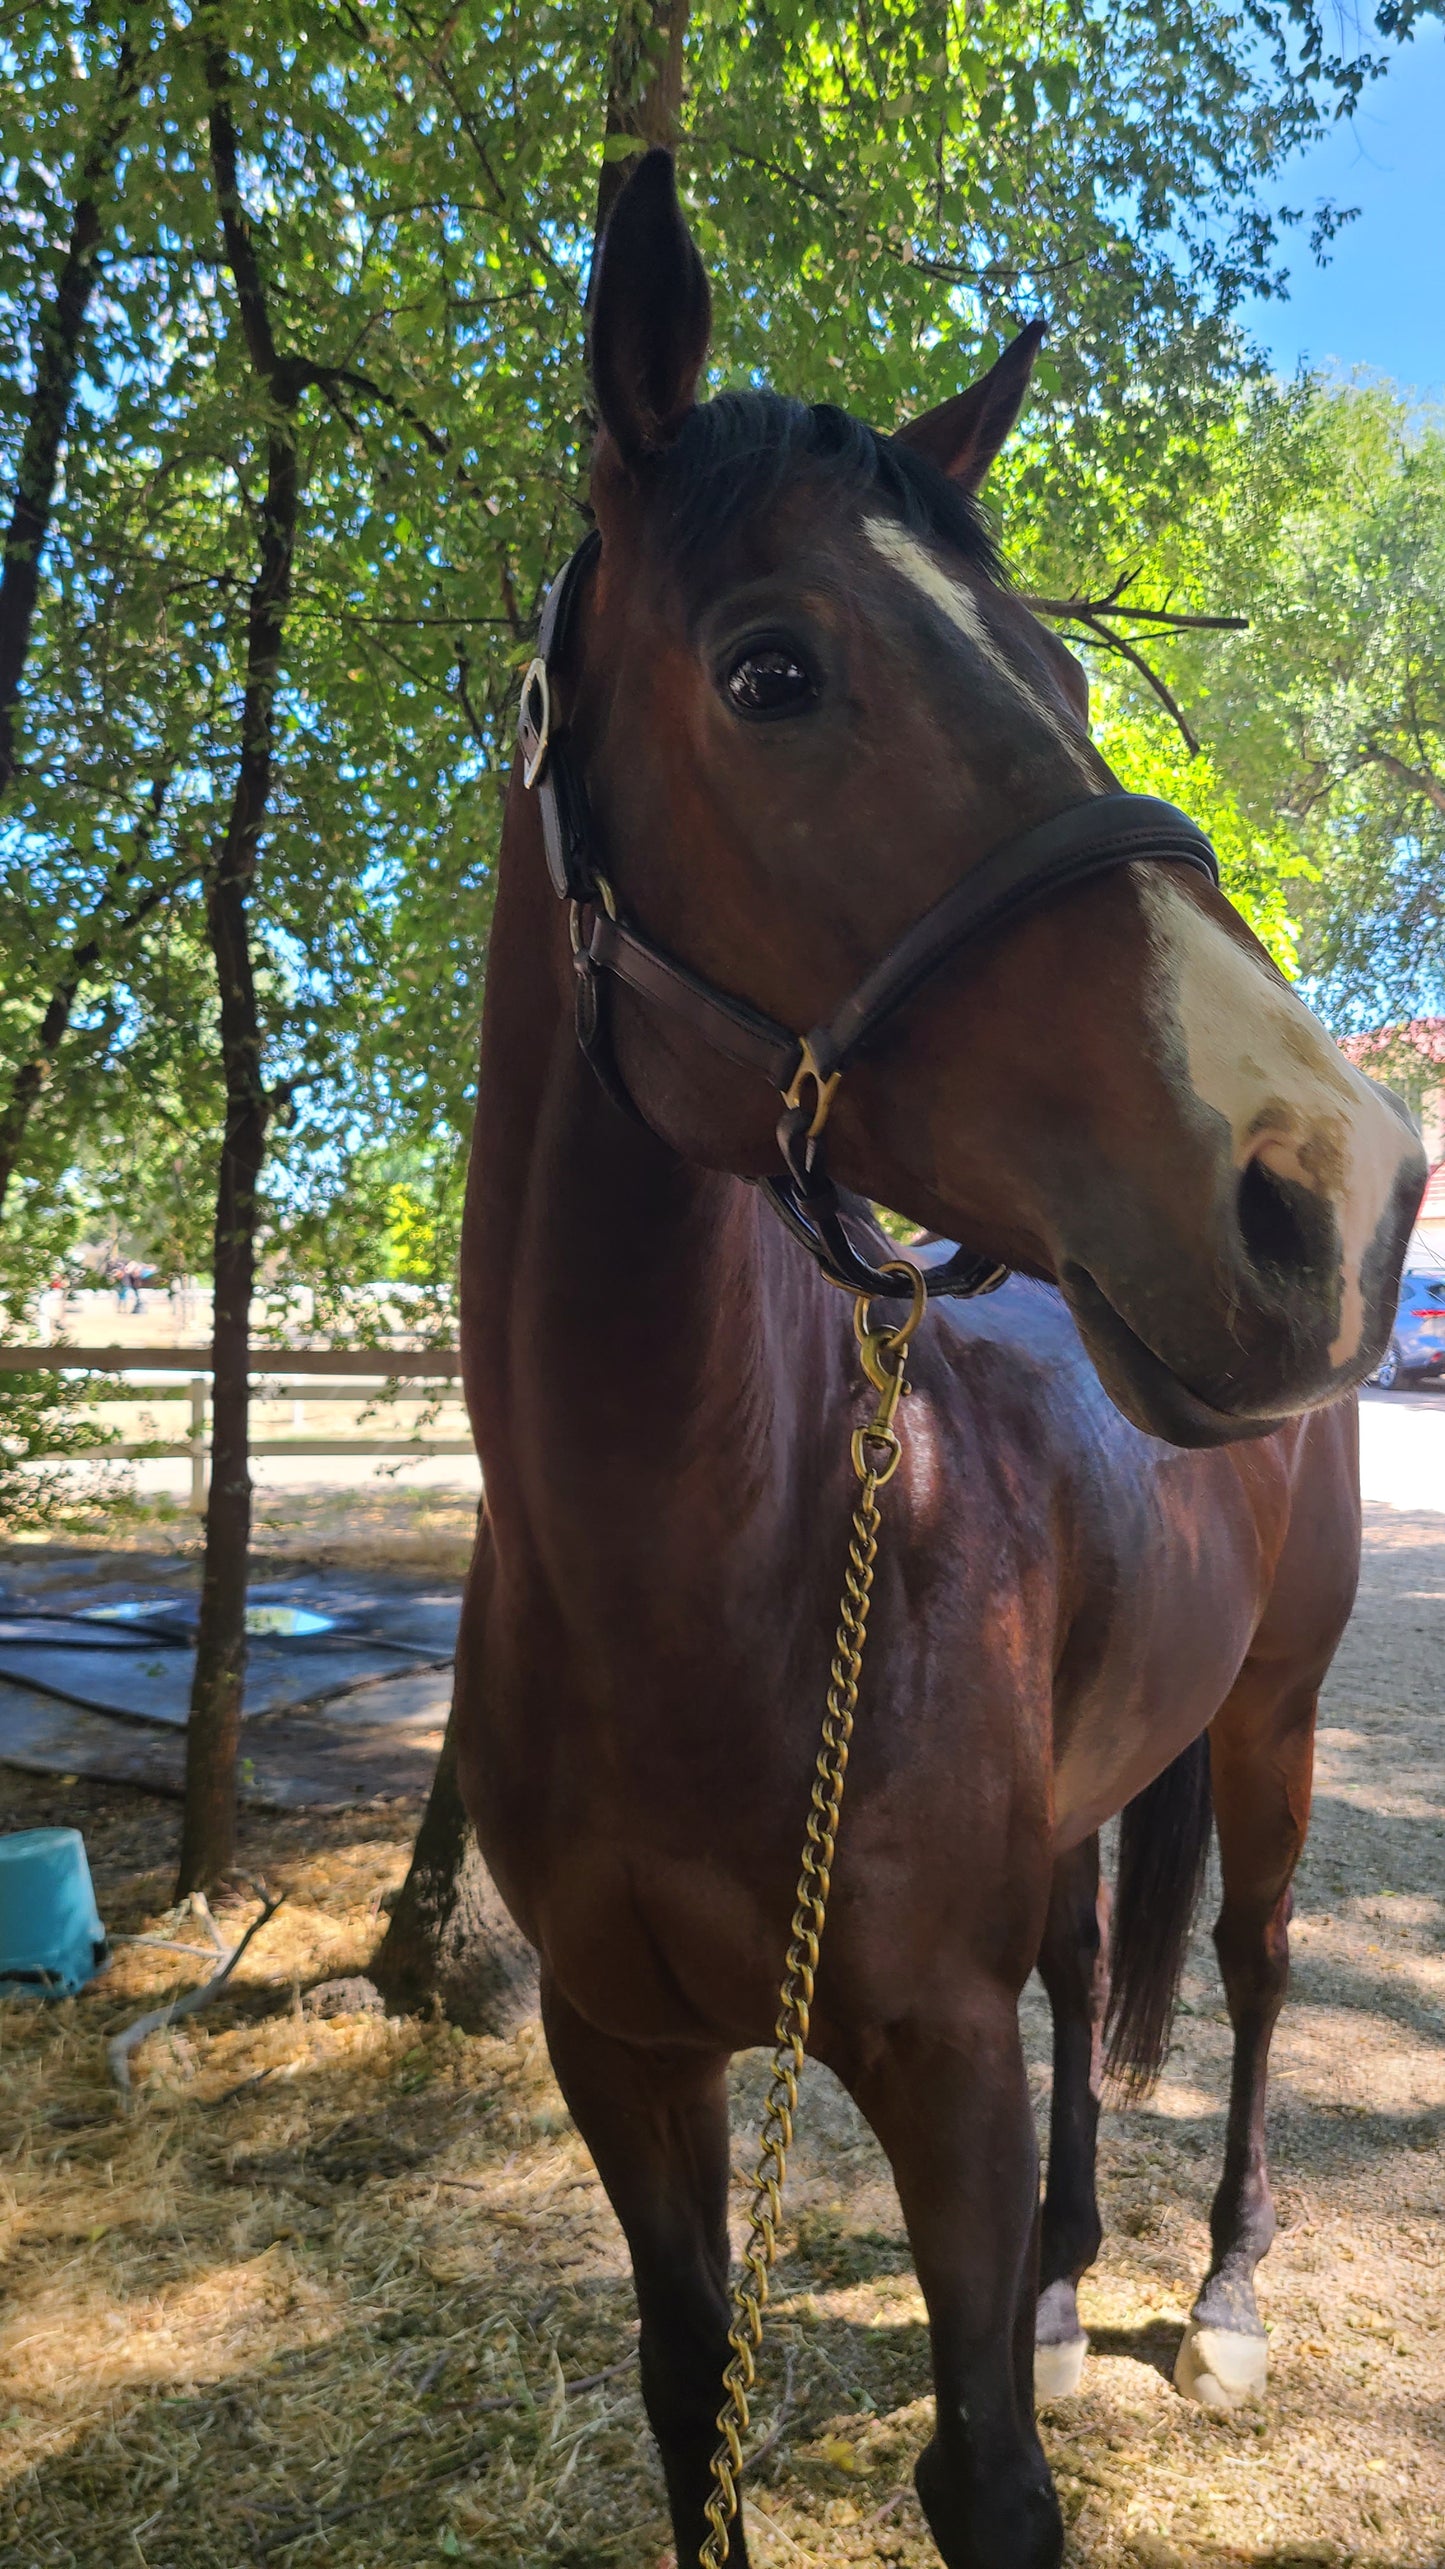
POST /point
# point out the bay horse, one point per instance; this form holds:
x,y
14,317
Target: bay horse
x,y
801,703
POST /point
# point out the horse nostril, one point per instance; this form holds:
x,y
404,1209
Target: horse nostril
x,y
1275,1221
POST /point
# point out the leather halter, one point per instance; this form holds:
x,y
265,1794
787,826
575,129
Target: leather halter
x,y
1090,838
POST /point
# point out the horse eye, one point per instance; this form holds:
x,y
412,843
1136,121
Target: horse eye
x,y
769,679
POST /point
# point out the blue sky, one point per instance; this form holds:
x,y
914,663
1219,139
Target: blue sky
x,y
1380,302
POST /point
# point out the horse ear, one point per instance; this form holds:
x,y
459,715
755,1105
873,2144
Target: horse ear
x,y
650,315
963,435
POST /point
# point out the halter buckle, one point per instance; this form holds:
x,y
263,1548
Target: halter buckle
x,y
823,1089
534,722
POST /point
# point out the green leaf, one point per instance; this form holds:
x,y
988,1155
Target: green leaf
x,y
1057,82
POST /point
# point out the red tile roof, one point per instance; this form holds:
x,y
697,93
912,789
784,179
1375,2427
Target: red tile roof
x,y
1423,1036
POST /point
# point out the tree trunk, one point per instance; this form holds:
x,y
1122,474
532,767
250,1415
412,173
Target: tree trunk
x,y
59,339
644,93
450,1941
29,1080
59,336
208,1837
208,1834
450,1938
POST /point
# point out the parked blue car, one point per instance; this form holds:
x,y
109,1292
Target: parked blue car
x,y
1416,1352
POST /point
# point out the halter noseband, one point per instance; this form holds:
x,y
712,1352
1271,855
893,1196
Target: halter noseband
x,y
1090,838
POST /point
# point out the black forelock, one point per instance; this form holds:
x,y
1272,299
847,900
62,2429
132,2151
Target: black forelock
x,y
733,456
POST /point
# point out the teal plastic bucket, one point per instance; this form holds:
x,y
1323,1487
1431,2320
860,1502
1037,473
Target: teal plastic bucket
x,y
51,1938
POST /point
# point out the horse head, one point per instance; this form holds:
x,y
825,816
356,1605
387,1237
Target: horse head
x,y
807,704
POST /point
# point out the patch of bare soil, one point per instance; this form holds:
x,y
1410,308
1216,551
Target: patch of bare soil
x,y
345,2288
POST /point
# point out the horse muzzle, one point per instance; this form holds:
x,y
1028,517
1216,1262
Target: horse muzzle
x,y
1280,1318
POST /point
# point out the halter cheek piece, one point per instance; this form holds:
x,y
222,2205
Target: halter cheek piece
x,y
1088,839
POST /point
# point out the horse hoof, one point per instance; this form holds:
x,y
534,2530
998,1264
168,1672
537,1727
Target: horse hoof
x,y
1058,2370
1221,2367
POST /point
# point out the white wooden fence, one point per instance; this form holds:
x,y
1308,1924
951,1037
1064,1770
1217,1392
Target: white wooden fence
x,y
310,1373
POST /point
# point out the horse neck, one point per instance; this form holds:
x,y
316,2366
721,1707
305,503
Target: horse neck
x,y
634,1329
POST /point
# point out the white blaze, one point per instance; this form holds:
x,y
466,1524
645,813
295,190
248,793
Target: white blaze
x,y
1254,1052
903,553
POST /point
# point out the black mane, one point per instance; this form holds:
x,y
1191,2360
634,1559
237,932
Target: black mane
x,y
734,454
739,450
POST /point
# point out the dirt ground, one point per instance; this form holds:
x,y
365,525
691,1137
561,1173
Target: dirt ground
x,y
346,2290
382,1523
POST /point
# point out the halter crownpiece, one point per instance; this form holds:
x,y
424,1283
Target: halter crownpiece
x,y
1088,839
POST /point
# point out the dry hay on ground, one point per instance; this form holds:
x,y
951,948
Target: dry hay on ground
x,y
333,2316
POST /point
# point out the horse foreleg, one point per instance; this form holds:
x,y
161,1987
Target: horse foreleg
x,y
656,2123
1261,1750
952,2112
1074,1968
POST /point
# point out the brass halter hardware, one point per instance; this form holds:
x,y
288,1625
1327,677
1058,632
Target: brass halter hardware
x,y
876,1454
824,1090
883,1354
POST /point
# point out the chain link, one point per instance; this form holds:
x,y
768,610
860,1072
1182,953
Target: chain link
x,y
876,1451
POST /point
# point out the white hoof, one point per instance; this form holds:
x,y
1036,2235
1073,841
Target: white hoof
x,y
1221,2367
1058,2370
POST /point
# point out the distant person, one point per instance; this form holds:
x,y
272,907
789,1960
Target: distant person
x,y
51,1310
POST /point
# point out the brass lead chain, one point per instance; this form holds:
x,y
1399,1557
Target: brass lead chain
x,y
876,1451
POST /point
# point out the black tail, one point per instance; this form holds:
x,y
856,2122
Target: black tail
x,y
1163,1849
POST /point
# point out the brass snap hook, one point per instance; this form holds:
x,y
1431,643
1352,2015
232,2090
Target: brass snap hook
x,y
824,1090
884,1354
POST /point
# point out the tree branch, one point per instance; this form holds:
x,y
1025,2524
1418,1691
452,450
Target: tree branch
x,y
1104,640
329,379
474,721
30,1078
120,2046
59,335
1097,616
236,229
1421,780
1091,609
